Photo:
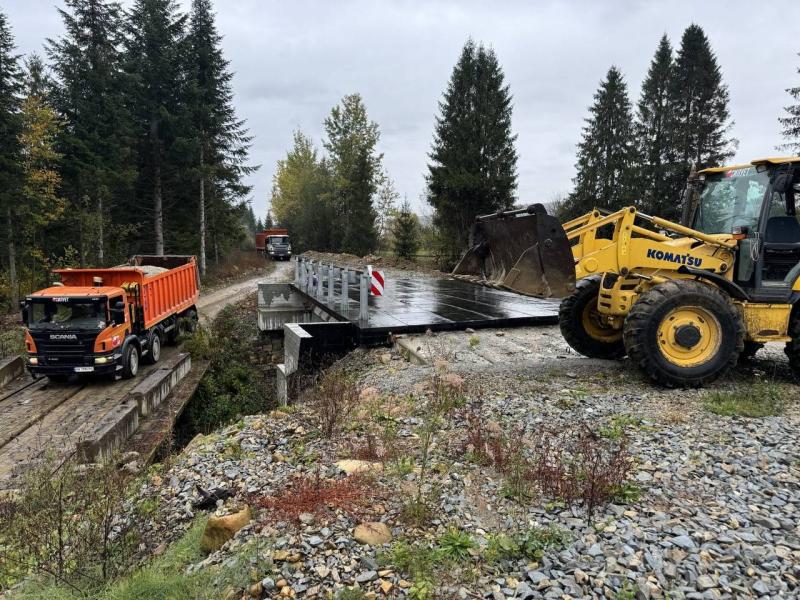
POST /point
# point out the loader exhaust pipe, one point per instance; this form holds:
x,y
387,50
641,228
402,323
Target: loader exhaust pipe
x,y
522,250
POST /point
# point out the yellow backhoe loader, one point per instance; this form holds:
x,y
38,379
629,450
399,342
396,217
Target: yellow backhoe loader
x,y
683,301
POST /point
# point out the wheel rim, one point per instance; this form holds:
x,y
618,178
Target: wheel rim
x,y
134,361
155,348
689,336
595,328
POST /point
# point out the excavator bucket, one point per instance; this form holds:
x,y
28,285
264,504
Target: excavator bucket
x,y
524,251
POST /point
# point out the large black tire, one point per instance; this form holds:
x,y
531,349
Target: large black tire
x,y
154,353
581,327
130,361
684,333
793,347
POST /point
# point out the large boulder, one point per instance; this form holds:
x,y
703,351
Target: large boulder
x,y
372,533
220,529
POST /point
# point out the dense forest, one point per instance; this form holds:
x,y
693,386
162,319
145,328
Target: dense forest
x,y
122,140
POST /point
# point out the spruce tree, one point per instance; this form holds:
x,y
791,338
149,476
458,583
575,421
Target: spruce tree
x,y
89,96
791,122
153,61
405,230
356,167
606,154
10,128
657,175
699,100
218,141
473,162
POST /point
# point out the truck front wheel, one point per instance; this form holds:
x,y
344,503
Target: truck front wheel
x,y
130,361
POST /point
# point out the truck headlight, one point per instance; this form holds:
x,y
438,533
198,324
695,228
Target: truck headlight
x,y
33,360
269,247
289,248
101,360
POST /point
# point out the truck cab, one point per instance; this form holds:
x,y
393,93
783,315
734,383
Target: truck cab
x,y
279,247
76,330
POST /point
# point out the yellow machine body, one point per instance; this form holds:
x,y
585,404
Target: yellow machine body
x,y
634,259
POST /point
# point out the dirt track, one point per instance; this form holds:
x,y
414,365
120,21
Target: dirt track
x,y
210,304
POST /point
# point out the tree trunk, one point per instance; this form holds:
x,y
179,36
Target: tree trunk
x,y
158,210
100,244
12,263
202,216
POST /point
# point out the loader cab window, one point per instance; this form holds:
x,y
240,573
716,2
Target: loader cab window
x,y
782,232
731,199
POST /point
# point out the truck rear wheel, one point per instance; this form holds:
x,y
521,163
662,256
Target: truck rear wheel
x,y
154,355
130,361
684,333
582,327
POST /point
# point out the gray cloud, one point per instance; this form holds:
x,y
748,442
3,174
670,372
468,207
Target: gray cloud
x,y
295,60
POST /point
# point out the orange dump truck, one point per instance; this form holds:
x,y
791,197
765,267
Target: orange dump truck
x,y
105,321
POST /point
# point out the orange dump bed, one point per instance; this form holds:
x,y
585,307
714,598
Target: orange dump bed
x,y
170,288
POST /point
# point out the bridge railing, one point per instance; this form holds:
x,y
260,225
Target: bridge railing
x,y
318,279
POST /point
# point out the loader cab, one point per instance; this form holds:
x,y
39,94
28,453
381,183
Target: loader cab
x,y
760,204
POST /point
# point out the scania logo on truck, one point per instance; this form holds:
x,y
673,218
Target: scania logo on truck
x,y
681,259
63,336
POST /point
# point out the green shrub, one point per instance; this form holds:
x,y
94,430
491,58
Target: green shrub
x,y
233,386
530,544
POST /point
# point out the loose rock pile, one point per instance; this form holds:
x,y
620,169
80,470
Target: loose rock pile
x,y
713,509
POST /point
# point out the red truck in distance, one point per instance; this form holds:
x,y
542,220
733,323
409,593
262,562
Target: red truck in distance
x,y
274,243
105,321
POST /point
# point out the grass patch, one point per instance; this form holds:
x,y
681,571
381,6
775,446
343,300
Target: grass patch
x,y
455,545
163,577
762,399
615,429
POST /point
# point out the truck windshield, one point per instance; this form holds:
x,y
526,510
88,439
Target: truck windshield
x,y
66,313
279,239
731,199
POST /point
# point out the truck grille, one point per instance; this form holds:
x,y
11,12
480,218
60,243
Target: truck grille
x,y
73,349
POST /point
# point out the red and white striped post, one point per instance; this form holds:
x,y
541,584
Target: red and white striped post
x,y
377,281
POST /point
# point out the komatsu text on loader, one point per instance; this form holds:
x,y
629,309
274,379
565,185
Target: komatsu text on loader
x,y
684,302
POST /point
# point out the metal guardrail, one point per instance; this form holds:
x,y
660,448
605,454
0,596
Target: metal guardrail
x,y
319,279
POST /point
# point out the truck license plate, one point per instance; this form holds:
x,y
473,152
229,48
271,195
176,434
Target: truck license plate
x,y
84,369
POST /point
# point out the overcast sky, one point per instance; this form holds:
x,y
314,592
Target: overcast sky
x,y
294,60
